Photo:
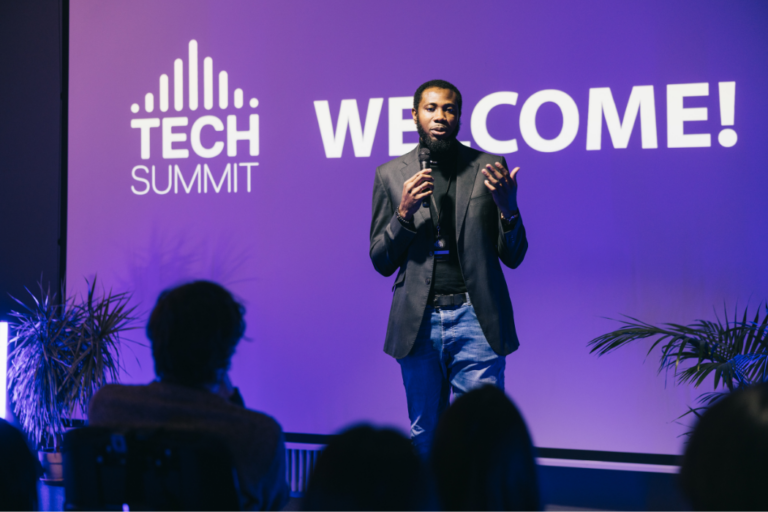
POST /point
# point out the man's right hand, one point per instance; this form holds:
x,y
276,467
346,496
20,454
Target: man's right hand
x,y
415,190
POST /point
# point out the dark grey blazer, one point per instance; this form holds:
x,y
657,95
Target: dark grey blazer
x,y
481,244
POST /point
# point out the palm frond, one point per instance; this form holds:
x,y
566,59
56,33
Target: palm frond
x,y
734,352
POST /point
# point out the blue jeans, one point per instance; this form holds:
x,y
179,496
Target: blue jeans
x,y
450,353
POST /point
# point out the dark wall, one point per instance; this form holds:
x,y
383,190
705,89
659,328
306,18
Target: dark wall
x,y
30,145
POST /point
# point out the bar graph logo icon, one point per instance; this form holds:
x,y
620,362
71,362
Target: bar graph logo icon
x,y
186,91
193,87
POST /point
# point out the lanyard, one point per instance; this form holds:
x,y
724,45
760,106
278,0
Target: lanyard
x,y
433,203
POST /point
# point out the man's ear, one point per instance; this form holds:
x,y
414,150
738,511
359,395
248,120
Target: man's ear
x,y
415,115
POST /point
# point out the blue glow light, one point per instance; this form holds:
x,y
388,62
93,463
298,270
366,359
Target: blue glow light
x,y
3,367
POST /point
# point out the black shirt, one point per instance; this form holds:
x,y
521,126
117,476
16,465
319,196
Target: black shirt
x,y
448,278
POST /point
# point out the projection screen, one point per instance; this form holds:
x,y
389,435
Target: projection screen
x,y
237,142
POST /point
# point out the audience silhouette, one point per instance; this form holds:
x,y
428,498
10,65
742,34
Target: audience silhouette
x,y
194,329
365,468
19,470
482,455
725,466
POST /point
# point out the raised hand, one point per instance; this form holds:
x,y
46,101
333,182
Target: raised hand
x,y
503,185
415,190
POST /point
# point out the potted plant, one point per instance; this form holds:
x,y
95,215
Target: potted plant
x,y
735,351
63,351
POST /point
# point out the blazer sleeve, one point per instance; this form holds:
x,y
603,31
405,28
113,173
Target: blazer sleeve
x,y
512,245
390,239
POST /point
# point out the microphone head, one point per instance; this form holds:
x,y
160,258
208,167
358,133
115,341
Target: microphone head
x,y
424,155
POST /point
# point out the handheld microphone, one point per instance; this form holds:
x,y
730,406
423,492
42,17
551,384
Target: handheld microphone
x,y
424,158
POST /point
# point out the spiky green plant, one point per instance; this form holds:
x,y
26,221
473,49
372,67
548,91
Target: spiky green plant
x,y
63,351
40,362
734,351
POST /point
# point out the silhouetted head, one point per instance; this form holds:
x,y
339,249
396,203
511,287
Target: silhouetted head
x,y
19,470
368,469
482,455
194,329
725,466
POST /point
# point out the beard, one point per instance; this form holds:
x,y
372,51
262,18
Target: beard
x,y
437,147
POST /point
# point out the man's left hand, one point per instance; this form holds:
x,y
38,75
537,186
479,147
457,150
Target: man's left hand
x,y
503,186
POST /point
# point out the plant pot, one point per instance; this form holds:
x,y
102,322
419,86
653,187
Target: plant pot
x,y
53,469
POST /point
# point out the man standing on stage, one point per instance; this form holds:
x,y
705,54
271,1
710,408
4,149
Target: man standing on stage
x,y
450,325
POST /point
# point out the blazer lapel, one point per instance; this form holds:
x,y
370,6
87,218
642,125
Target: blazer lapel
x,y
465,182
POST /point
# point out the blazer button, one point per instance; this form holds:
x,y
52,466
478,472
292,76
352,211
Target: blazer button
x,y
428,280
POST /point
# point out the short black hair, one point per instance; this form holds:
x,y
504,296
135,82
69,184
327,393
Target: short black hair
x,y
482,455
440,84
724,466
366,468
19,470
194,329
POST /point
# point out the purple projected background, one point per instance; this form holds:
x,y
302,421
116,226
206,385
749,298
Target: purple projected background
x,y
660,233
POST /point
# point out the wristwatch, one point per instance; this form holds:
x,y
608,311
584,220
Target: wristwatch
x,y
512,218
